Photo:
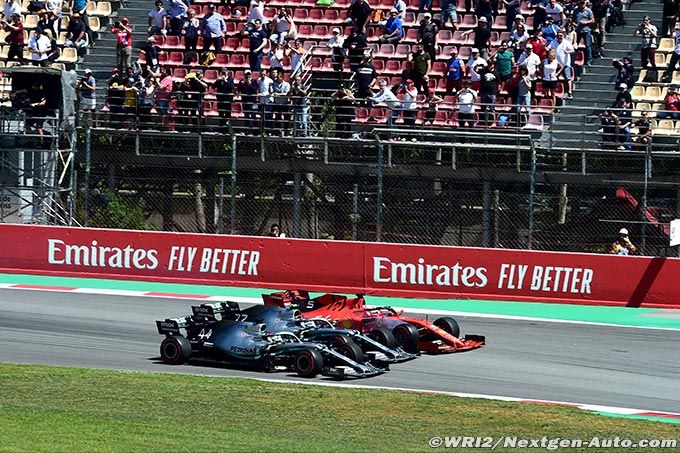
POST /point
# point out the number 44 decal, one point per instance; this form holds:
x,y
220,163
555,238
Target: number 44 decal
x,y
205,335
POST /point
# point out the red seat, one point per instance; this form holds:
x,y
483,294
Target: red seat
x,y
141,58
175,58
305,31
320,31
445,36
544,107
458,38
245,45
300,14
221,60
179,74
210,75
500,23
331,16
360,115
386,50
379,65
378,115
210,109
469,21
233,43
411,35
438,67
501,106
402,50
392,67
237,60
495,39
172,42
316,15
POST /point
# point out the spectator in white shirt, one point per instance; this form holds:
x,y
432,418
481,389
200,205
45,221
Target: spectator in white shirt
x,y
409,96
556,11
529,60
563,52
475,64
335,43
386,96
465,99
12,8
158,19
40,47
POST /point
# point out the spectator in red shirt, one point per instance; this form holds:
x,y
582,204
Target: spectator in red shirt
x,y
671,104
539,44
16,38
123,34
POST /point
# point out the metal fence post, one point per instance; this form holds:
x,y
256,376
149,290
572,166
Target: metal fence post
x,y
88,164
297,196
355,209
234,167
379,196
486,215
532,191
220,208
496,216
643,210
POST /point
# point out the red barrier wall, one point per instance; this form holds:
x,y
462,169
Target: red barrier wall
x,y
384,269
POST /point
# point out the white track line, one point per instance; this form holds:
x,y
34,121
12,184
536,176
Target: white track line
x,y
258,301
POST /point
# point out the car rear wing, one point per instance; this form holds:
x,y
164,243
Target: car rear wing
x,y
172,326
209,312
285,298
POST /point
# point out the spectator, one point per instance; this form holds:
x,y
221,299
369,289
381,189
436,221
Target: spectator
x,y
504,60
36,6
518,21
258,41
555,11
87,87
485,9
177,12
54,7
385,95
625,72
424,5
275,231
671,104
531,61
488,90
115,77
15,32
512,85
356,45
421,64
280,108
549,31
648,32
427,34
115,96
563,52
224,89
474,66
35,116
298,96
296,52
623,245
449,13
671,11
264,94
465,100
625,115
584,19
158,19
343,101
360,13
11,9
48,21
276,55
164,92
80,7
394,29
675,56
601,12
551,71
512,14
482,36
622,94
191,29
524,88
538,45
365,79
519,40
610,124
255,12
281,26
432,101
644,135
145,102
337,52
400,6
213,29
75,32
40,47
151,52
130,100
540,12
248,89
570,34
455,72
123,34
409,96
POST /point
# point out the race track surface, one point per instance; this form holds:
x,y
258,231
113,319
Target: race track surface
x,y
613,366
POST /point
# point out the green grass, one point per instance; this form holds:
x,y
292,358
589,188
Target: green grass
x,y
65,409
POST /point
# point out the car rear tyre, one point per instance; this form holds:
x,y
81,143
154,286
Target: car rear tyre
x,y
352,351
384,337
407,337
308,363
448,325
175,350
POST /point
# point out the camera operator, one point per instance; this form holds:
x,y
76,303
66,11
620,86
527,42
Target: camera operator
x,y
16,38
610,123
648,32
625,71
298,95
87,87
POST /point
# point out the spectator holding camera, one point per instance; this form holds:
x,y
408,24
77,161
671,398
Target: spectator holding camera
x,y
623,245
123,33
671,104
624,72
648,32
16,38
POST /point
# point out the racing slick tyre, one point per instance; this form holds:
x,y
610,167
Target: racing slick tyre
x,y
383,336
308,363
448,325
407,337
175,350
351,350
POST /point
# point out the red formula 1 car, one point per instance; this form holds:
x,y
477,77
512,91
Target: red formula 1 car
x,y
384,324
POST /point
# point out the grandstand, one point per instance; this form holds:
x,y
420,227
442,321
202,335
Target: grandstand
x,y
535,151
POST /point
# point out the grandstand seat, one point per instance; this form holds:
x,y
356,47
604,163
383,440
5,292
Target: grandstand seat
x,y
534,123
320,32
637,93
445,37
238,60
392,67
660,60
500,22
178,74
459,39
469,21
171,42
379,65
300,15
438,67
175,58
442,118
104,9
653,94
305,31
31,21
543,107
377,115
501,105
316,15
94,24
666,45
386,51
664,128
210,75
360,115
402,50
68,55
412,35
233,43
210,109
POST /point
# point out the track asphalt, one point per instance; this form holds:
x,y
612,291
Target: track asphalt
x,y
591,355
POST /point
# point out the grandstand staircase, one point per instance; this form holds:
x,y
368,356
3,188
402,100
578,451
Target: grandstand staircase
x,y
596,89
